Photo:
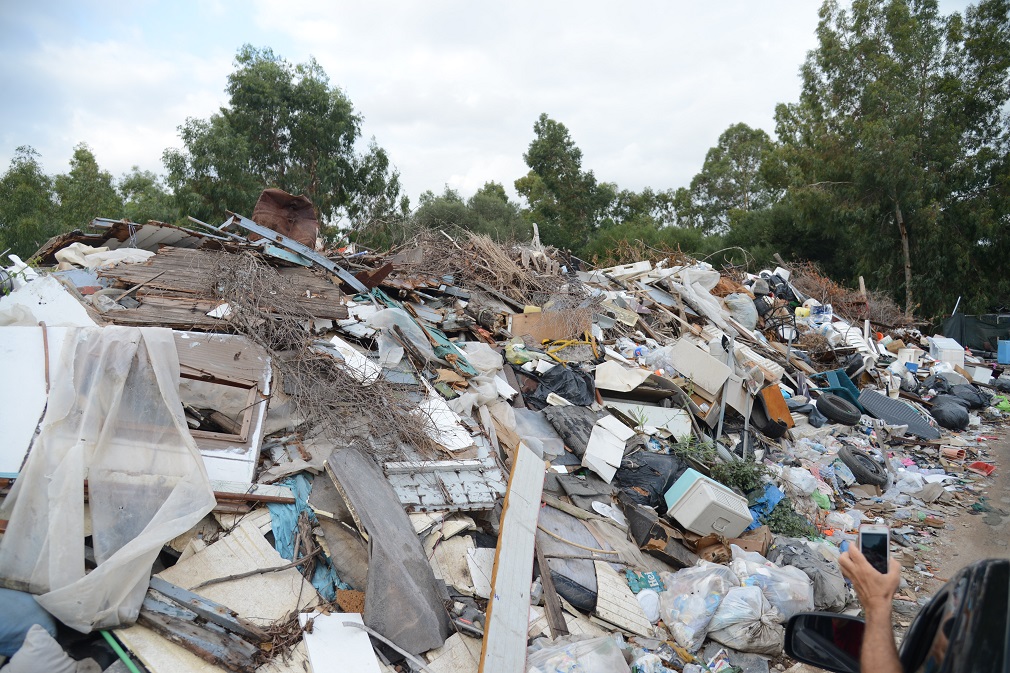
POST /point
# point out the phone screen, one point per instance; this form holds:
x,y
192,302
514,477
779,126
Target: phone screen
x,y
874,548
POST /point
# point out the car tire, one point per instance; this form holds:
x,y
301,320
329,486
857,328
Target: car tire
x,y
837,409
863,467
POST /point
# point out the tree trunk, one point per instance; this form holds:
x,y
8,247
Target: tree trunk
x,y
907,259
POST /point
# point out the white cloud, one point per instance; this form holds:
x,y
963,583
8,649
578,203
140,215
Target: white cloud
x,y
450,89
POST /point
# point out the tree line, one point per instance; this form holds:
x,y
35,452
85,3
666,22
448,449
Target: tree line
x,y
893,164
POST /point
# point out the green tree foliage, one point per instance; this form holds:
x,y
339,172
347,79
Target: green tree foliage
x,y
86,192
285,126
731,182
146,198
895,156
489,211
564,201
27,205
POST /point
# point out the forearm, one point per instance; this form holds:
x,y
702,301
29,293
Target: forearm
x,y
879,653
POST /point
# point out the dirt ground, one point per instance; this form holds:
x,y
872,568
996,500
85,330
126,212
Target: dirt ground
x,y
971,537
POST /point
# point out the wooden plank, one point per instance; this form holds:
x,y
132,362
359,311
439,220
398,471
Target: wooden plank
x,y
616,604
505,634
262,599
187,275
552,604
222,649
209,610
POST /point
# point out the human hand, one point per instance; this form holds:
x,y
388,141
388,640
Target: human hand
x,y
874,590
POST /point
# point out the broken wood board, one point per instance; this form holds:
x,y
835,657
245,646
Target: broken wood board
x,y
210,630
550,325
480,561
403,600
159,655
334,647
181,277
262,598
576,623
617,605
505,634
225,369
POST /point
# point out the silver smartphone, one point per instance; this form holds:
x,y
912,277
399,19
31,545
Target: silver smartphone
x,y
875,545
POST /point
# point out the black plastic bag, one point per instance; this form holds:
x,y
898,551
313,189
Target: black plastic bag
x,y
937,383
941,400
646,477
950,415
574,385
975,398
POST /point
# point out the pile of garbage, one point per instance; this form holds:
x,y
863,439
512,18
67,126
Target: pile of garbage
x,y
228,449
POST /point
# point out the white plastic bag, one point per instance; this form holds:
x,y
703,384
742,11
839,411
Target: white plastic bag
x,y
390,350
691,598
746,621
800,480
593,655
742,308
786,588
113,418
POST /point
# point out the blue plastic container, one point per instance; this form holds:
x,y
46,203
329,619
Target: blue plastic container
x,y
1003,356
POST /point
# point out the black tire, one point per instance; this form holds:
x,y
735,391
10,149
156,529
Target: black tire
x,y
837,409
864,468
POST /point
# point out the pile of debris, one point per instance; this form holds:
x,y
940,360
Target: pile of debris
x,y
228,450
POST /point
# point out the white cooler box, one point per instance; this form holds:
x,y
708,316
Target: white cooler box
x,y
705,506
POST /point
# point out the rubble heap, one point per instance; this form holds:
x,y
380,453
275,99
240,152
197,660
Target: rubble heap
x,y
229,450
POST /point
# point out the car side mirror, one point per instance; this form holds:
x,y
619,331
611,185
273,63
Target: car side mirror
x,y
826,640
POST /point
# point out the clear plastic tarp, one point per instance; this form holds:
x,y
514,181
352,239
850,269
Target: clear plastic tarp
x,y
114,419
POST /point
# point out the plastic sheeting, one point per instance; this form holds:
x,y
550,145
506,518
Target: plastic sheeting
x,y
284,525
390,350
695,285
114,418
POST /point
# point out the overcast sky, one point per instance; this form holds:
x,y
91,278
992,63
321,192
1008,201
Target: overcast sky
x,y
450,89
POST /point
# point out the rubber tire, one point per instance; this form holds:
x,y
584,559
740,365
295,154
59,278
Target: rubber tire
x,y
863,467
837,409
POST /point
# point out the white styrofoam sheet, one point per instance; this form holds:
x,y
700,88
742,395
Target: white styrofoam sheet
x,y
335,648
23,394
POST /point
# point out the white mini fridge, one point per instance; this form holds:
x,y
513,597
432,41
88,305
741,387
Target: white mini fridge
x,y
705,506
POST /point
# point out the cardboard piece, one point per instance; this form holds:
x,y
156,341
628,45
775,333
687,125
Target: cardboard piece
x,y
714,549
706,373
552,325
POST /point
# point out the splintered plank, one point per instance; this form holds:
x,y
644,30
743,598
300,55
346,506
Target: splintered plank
x,y
504,647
